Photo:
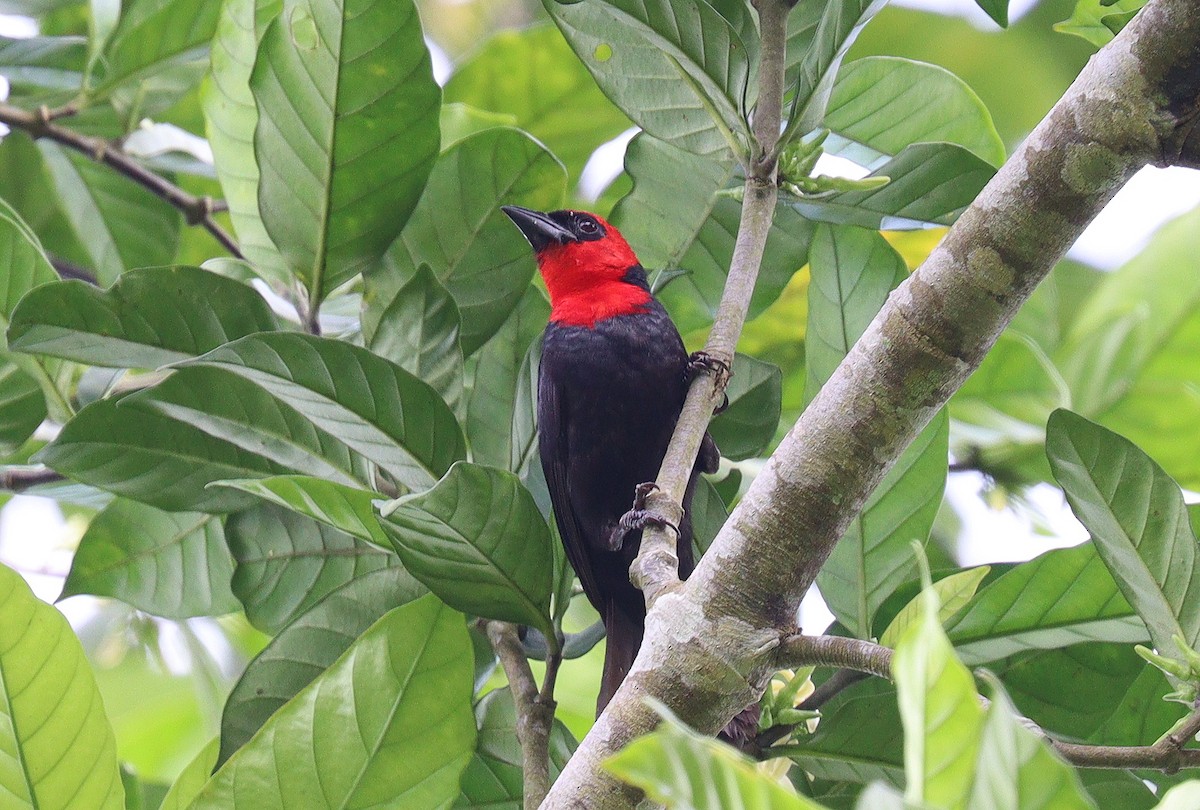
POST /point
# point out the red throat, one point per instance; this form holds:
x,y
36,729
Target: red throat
x,y
587,282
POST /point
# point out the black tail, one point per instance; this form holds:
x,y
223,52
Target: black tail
x,y
623,626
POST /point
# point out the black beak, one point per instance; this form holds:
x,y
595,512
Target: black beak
x,y
538,228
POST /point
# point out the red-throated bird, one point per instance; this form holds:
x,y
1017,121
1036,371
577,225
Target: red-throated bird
x,y
613,378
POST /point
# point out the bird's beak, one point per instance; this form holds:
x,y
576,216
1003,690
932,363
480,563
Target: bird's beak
x,y
538,228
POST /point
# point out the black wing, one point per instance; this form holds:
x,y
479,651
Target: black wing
x,y
554,414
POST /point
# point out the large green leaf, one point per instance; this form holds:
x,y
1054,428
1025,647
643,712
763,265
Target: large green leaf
x,y
388,724
347,509
840,750
823,47
152,34
57,749
940,710
479,542
1138,521
747,426
680,768
418,330
1060,598
930,183
347,132
130,449
852,273
502,405
459,230
533,76
494,778
675,220
192,778
306,647
953,593
148,318
677,68
42,70
120,224
889,103
1017,770
370,404
231,117
1132,357
22,406
171,564
287,563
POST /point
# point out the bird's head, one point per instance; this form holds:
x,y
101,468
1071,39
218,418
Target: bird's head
x,y
590,270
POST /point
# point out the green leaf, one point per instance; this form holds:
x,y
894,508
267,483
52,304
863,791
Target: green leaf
x,y
170,564
231,117
152,35
748,425
889,103
120,224
839,25
953,593
287,563
148,318
1138,521
852,273
532,76
389,723
43,70
996,9
192,778
1132,357
1060,598
940,710
306,647
347,509
680,768
347,132
674,220
25,265
678,69
494,778
478,541
708,515
418,330
1017,770
22,406
59,749
459,230
1090,16
1181,797
930,183
502,405
840,750
370,404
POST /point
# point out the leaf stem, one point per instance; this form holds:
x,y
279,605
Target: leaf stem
x,y
196,210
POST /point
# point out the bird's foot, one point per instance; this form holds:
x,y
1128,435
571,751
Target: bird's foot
x,y
700,362
637,518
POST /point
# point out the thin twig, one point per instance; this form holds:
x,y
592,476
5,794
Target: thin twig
x,y
535,712
656,569
196,210
835,651
70,271
19,479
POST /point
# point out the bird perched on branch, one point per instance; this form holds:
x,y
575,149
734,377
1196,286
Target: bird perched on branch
x,y
614,374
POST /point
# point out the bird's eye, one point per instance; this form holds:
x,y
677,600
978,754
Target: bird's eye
x,y
588,227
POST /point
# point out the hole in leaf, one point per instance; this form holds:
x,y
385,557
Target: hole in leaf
x,y
603,52
304,29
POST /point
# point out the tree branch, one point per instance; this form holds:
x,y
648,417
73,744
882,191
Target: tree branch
x,y
834,651
535,712
196,210
710,642
19,479
1167,755
69,271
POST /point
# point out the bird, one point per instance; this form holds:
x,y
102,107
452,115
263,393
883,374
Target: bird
x,y
612,380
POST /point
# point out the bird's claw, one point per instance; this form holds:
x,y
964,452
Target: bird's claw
x,y
699,362
637,518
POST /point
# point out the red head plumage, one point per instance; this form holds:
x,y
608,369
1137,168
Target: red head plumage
x,y
590,270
